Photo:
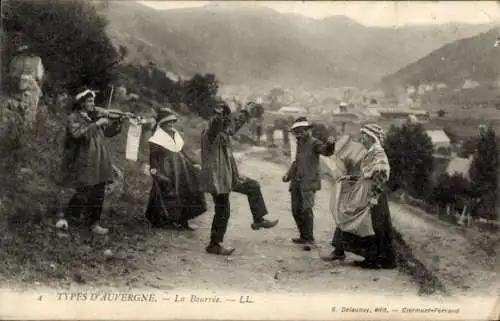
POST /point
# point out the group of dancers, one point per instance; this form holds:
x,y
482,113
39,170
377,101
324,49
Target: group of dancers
x,y
359,204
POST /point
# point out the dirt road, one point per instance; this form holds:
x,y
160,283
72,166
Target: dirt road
x,y
264,260
267,260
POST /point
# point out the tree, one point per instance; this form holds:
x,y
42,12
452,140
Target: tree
x,y
484,167
322,132
69,36
442,193
468,147
451,190
409,150
200,94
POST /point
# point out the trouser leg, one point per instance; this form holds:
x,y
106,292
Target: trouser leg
x,y
337,242
251,188
308,224
95,204
296,210
77,203
307,215
221,217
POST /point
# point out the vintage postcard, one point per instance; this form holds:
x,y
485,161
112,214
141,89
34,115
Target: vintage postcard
x,y
252,160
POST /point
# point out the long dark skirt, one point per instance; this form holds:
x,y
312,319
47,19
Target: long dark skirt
x,y
373,248
166,208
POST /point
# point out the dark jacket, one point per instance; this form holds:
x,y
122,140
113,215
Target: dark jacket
x,y
219,172
304,172
86,159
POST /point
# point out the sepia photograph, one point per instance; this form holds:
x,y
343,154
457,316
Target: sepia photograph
x,y
249,160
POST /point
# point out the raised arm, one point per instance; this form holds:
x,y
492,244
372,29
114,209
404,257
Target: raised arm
x,y
79,128
228,125
325,149
114,127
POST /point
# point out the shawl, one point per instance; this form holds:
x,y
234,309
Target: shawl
x,y
163,139
375,160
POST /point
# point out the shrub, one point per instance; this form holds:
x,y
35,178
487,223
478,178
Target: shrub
x,y
69,36
409,150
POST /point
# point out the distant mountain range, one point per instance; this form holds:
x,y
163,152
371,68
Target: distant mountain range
x,y
466,70
254,44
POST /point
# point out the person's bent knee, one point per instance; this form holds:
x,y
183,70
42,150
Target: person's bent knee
x,y
252,184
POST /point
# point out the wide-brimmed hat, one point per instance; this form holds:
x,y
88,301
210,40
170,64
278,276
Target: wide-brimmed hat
x,y
83,92
165,115
301,122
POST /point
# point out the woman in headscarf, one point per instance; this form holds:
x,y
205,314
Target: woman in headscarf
x,y
360,208
87,162
175,195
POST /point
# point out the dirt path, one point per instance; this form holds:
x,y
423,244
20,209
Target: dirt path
x,y
267,260
264,260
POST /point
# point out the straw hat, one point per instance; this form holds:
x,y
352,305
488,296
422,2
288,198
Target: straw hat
x,y
301,122
166,115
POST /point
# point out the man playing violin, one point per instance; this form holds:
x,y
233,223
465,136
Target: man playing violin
x,y
86,162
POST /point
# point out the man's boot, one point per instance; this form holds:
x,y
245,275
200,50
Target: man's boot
x,y
264,223
217,249
299,240
308,245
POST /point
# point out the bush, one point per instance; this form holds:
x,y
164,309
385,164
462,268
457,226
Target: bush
x,y
322,132
409,150
69,36
450,190
200,94
485,164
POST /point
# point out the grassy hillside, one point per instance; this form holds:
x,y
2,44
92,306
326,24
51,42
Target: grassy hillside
x,y
31,198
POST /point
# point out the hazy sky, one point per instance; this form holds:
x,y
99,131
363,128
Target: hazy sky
x,y
383,13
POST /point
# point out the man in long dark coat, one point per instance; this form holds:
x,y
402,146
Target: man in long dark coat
x,y
87,163
220,176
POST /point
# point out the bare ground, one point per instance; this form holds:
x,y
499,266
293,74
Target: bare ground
x,y
264,260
